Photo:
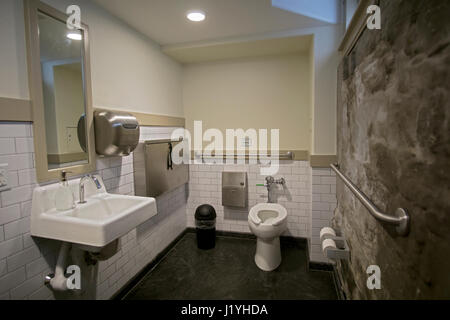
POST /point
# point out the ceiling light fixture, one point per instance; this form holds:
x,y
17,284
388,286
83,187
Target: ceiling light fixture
x,y
196,15
75,36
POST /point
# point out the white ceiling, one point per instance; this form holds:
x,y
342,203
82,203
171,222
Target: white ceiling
x,y
164,21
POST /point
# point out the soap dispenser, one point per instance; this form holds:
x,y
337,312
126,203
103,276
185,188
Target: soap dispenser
x,y
64,199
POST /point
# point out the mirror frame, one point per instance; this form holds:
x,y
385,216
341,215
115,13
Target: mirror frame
x,y
43,173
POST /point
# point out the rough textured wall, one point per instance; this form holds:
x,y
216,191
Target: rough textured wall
x,y
394,143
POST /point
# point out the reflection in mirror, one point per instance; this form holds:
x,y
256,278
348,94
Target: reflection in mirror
x,y
61,52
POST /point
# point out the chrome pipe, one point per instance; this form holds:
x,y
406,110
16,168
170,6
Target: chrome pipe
x,y
401,219
281,156
81,186
159,141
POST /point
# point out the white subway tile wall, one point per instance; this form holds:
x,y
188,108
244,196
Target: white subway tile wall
x,y
24,260
205,185
323,206
309,197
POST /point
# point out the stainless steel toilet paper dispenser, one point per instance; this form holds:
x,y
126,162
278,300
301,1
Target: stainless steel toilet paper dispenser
x,y
116,133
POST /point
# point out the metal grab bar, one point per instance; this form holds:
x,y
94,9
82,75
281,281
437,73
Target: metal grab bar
x,y
159,141
288,155
401,219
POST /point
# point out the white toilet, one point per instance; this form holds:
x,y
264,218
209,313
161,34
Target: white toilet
x,y
267,222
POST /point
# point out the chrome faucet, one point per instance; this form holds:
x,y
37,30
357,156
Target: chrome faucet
x,y
269,182
81,189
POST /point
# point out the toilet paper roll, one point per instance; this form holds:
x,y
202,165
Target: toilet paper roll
x,y
327,244
326,231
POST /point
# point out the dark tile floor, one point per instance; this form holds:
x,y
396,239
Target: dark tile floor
x,y
229,272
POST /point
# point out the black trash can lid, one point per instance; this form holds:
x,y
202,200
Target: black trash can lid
x,y
205,212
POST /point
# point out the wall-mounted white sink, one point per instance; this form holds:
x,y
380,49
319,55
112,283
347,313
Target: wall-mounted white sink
x,y
102,219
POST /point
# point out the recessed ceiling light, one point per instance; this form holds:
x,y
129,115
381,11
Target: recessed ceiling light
x,y
74,36
196,15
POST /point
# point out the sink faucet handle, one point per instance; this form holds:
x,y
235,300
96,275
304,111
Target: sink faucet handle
x,y
93,178
97,182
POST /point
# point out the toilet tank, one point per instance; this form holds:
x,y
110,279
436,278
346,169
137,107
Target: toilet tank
x,y
235,189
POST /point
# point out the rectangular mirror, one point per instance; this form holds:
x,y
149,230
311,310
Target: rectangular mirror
x,y
63,89
59,80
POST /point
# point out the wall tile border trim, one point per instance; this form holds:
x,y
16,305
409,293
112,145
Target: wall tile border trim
x,y
316,160
154,120
21,110
322,161
15,110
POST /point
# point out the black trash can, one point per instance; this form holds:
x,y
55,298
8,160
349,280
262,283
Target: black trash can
x,y
205,223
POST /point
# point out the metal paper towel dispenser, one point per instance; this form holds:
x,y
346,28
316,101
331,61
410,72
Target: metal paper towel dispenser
x,y
116,133
234,189
154,171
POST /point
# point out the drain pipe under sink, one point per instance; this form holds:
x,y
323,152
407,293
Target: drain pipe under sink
x,y
58,281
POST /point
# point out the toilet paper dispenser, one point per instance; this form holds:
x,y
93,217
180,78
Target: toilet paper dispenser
x,y
334,245
116,133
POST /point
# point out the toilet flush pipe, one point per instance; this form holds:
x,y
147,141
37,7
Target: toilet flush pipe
x,y
269,182
58,281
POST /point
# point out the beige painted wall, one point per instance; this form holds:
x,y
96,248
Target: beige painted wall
x,y
129,71
13,77
261,93
325,61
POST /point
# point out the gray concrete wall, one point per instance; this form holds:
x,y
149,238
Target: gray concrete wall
x,y
394,143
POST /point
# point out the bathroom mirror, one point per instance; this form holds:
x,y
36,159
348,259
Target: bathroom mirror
x,y
60,91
